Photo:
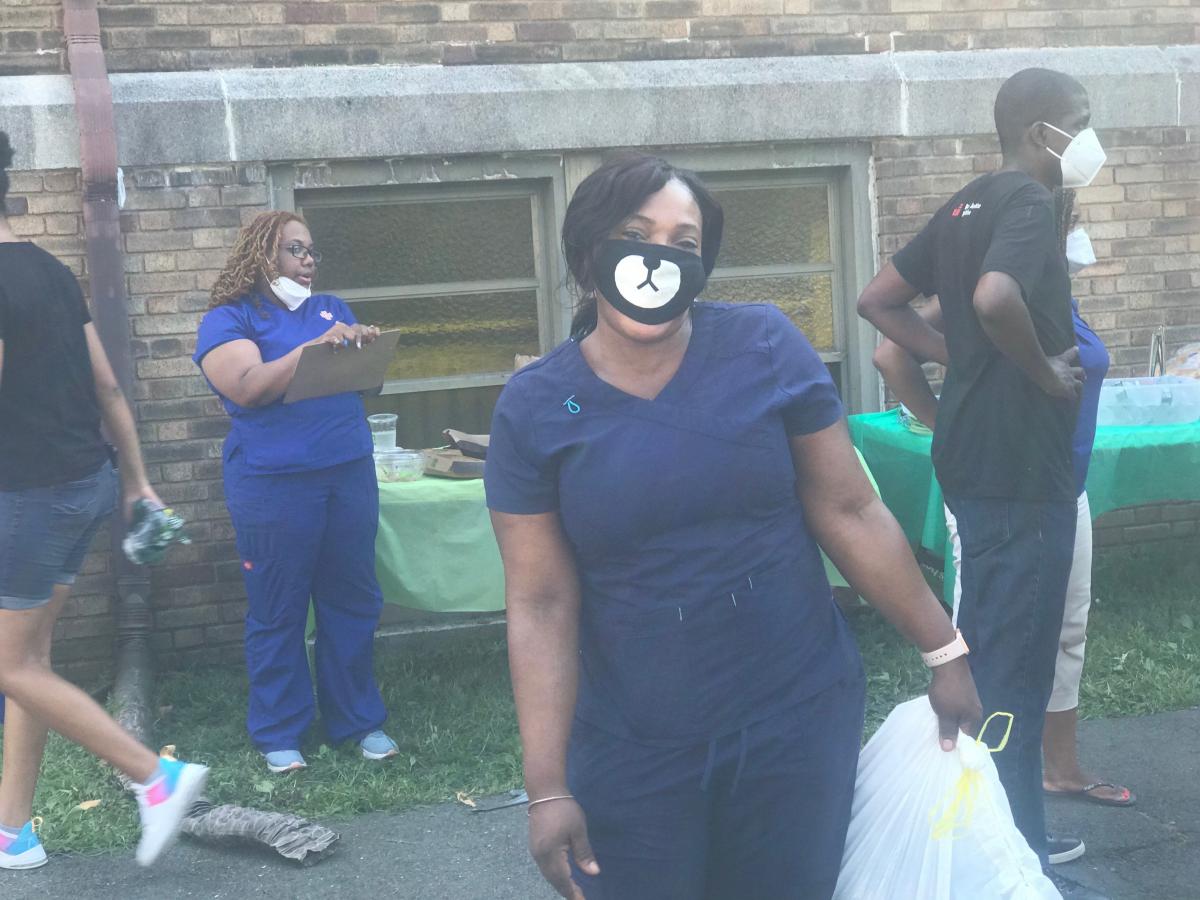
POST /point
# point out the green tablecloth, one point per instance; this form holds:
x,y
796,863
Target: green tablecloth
x,y
900,462
1129,467
435,549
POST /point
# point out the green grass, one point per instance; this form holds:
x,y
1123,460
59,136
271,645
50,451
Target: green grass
x,y
453,712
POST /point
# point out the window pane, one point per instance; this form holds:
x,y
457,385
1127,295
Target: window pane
x,y
429,242
458,334
806,299
775,225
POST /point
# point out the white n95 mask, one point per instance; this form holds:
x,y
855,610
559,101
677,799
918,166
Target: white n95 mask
x,y
291,294
1083,158
1080,254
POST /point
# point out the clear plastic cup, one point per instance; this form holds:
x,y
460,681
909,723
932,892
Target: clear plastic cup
x,y
383,430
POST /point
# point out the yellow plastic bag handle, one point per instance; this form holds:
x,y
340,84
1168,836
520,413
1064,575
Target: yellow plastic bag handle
x,y
1007,731
954,814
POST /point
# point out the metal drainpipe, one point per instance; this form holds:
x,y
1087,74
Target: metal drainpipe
x,y
106,278
290,836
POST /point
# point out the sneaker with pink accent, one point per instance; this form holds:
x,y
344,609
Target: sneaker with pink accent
x,y
22,849
163,802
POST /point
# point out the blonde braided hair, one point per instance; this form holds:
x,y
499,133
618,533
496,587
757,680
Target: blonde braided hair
x,y
252,257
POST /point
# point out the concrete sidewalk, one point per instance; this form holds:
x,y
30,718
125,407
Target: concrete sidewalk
x,y
1149,852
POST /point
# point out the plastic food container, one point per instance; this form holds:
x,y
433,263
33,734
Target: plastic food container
x,y
398,464
1162,400
383,430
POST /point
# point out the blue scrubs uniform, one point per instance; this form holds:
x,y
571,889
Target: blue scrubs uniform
x,y
720,696
301,491
1093,358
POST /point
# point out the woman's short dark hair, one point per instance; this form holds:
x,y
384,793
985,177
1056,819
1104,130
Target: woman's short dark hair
x,y
609,196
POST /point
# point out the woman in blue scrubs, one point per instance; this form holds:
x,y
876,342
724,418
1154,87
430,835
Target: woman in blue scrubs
x,y
690,698
301,490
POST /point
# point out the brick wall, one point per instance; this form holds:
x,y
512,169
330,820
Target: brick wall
x,y
149,35
1143,216
178,224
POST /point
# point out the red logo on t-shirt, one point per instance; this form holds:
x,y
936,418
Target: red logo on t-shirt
x,y
957,211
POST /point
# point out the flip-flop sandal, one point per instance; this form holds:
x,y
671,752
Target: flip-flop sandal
x,y
1084,794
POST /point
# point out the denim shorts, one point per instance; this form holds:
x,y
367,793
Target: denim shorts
x,y
45,533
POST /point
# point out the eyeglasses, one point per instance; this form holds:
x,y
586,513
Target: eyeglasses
x,y
301,252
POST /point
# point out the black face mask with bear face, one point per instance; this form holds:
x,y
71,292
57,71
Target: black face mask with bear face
x,y
649,283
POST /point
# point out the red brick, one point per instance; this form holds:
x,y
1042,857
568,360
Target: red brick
x,y
314,13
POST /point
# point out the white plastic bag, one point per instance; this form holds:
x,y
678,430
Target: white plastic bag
x,y
932,825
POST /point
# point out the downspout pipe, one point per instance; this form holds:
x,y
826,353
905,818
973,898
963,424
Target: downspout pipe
x,y
290,836
106,279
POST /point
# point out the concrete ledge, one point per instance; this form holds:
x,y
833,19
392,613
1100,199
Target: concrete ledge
x,y
1186,62
390,111
38,112
953,93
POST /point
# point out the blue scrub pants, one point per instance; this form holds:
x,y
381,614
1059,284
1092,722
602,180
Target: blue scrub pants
x,y
759,814
1016,562
302,535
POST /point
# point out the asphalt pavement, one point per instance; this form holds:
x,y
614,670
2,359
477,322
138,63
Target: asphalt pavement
x,y
448,852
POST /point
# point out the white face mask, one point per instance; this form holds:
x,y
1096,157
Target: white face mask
x,y
1083,158
291,293
1080,254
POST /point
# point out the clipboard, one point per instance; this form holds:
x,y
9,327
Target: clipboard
x,y
323,371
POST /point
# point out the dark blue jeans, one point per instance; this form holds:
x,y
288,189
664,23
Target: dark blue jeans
x,y
1016,560
45,533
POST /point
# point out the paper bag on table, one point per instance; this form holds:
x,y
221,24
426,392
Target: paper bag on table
x,y
472,445
452,464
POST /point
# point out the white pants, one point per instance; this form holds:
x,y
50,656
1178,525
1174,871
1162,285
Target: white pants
x,y
1068,667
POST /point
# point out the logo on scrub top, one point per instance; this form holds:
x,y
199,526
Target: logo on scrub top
x,y
964,209
326,314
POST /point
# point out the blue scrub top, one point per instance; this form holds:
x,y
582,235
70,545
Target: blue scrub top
x,y
705,602
1093,357
295,437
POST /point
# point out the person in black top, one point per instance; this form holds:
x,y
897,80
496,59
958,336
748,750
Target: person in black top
x,y
57,487
1002,442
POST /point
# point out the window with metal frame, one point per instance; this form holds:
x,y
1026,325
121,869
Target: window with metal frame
x,y
458,269
780,247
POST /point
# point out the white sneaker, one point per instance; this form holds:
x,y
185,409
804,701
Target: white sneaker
x,y
164,802
1063,849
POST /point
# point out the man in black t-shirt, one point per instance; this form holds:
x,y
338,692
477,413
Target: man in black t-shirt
x,y
1002,442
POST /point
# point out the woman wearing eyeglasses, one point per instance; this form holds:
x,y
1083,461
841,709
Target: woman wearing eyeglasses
x,y
301,491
